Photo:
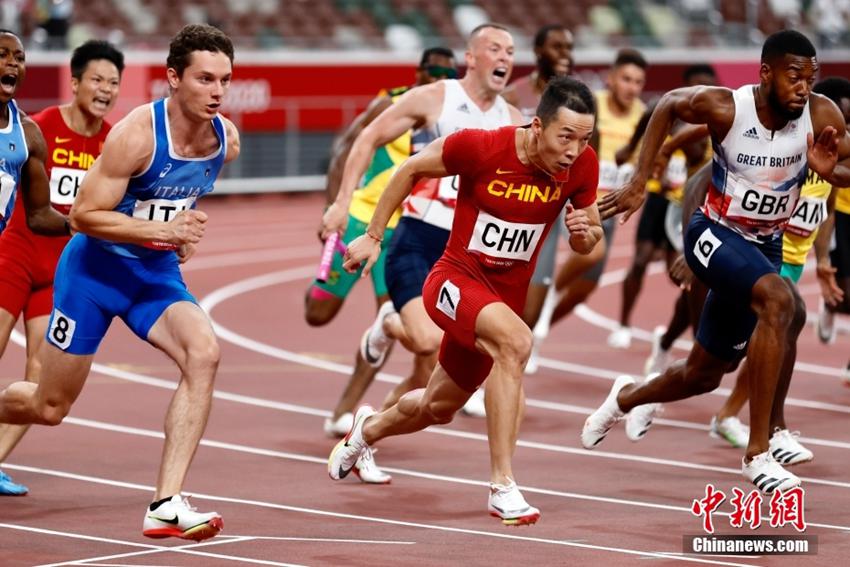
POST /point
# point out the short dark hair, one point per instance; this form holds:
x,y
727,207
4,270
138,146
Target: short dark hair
x,y
196,37
629,56
698,69
786,42
565,92
833,88
94,50
443,51
543,33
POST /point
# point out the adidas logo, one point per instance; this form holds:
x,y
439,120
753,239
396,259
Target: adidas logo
x,y
464,108
752,133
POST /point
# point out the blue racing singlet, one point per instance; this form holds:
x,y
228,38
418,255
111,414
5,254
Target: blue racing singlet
x,y
170,183
13,154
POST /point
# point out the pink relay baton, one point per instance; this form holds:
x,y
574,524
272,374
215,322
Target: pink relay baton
x,y
332,244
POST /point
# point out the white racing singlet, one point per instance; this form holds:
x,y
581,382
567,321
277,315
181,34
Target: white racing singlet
x,y
433,200
757,173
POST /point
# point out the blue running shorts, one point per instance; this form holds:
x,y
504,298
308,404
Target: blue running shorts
x,y
415,248
93,285
729,265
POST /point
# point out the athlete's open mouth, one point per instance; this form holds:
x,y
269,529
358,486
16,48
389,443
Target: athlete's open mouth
x,y
8,82
500,72
102,101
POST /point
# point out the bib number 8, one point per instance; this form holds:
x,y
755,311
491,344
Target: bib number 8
x,y
61,330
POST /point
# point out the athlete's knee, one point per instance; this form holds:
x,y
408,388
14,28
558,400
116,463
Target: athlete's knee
x,y
319,312
53,411
773,302
425,340
437,412
514,346
704,378
203,352
798,320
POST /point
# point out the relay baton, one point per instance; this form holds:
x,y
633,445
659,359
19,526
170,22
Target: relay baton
x,y
332,244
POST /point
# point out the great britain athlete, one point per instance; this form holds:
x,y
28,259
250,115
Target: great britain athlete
x,y
135,219
74,134
514,181
765,138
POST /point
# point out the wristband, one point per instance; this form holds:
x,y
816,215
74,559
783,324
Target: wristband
x,y
373,237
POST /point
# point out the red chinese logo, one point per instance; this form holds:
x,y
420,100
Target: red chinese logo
x,y
705,507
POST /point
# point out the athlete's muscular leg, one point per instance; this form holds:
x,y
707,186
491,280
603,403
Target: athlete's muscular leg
x,y
576,265
575,294
632,284
777,415
437,403
184,333
507,340
534,303
360,380
423,366
773,303
701,372
10,435
320,307
7,323
414,329
739,395
48,402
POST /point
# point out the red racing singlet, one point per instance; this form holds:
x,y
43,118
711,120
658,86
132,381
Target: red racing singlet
x,y
504,208
69,156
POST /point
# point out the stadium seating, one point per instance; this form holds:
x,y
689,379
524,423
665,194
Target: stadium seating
x,y
410,24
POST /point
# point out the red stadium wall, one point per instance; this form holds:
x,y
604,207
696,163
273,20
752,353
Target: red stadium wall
x,y
324,97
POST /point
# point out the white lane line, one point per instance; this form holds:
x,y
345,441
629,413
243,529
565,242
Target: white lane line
x,y
209,302
218,541
429,476
357,517
333,540
149,548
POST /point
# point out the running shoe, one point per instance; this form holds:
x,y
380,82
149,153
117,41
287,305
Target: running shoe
x,y
787,450
175,518
338,428
639,420
507,503
603,419
10,488
659,359
768,475
621,338
731,429
474,406
375,344
345,454
367,469
825,324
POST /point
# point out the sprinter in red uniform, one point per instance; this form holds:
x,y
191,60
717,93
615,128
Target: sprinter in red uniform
x,y
74,133
513,184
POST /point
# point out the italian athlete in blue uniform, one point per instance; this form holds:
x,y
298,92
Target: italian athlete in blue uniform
x,y
136,221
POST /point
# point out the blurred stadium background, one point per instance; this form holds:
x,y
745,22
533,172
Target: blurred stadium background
x,y
305,68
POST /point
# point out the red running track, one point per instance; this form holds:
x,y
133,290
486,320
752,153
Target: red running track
x,y
262,462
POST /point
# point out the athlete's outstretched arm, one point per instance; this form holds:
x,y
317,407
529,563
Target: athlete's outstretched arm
x,y
412,109
342,145
427,163
713,106
126,152
42,218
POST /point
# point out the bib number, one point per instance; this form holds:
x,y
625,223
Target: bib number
x,y
61,330
64,186
503,239
449,299
707,244
7,191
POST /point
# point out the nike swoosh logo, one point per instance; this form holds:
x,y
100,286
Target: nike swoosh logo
x,y
173,520
500,171
62,140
